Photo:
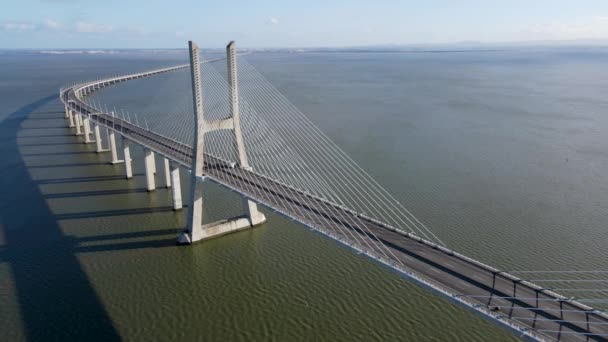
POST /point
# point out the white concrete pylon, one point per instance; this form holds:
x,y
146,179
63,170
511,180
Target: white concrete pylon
x,y
87,130
154,163
98,145
78,124
176,188
71,118
148,162
113,150
167,174
234,105
98,140
195,230
127,155
195,216
253,214
251,209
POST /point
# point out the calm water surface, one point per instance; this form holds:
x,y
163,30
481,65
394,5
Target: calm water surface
x,y
503,154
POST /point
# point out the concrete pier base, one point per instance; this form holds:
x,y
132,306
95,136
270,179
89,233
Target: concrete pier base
x,y
252,218
113,150
219,228
167,174
127,154
149,164
176,188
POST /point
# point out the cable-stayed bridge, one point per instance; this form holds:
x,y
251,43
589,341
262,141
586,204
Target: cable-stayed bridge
x,y
236,129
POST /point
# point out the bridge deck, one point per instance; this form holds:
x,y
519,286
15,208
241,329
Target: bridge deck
x,y
535,309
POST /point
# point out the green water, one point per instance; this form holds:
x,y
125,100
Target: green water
x,y
88,255
80,265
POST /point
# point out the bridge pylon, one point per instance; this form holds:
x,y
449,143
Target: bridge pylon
x,y
195,230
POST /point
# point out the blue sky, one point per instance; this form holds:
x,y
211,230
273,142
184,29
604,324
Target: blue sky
x,y
284,23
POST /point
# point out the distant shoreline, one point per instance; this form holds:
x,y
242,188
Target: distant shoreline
x,y
427,49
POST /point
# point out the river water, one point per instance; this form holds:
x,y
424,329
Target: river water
x,y
503,154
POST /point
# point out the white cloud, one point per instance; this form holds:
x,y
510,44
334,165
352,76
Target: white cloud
x,y
80,28
272,21
88,27
53,25
13,26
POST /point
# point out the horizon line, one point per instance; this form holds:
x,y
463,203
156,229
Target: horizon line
x,y
470,43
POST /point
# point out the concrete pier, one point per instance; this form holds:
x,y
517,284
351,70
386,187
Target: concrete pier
x,y
176,188
113,149
149,162
195,231
127,155
252,218
86,124
167,174
98,141
78,124
153,163
71,118
253,214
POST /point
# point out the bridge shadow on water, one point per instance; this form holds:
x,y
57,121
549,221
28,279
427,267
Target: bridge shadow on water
x,y
53,153
86,179
64,165
56,300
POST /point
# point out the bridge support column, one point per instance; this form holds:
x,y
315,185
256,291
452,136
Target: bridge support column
x,y
176,188
254,216
127,154
234,105
149,164
71,118
153,163
87,130
167,174
98,142
195,212
195,230
113,149
78,124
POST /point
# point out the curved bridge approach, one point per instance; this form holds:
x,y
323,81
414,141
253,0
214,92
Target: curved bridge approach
x,y
241,133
